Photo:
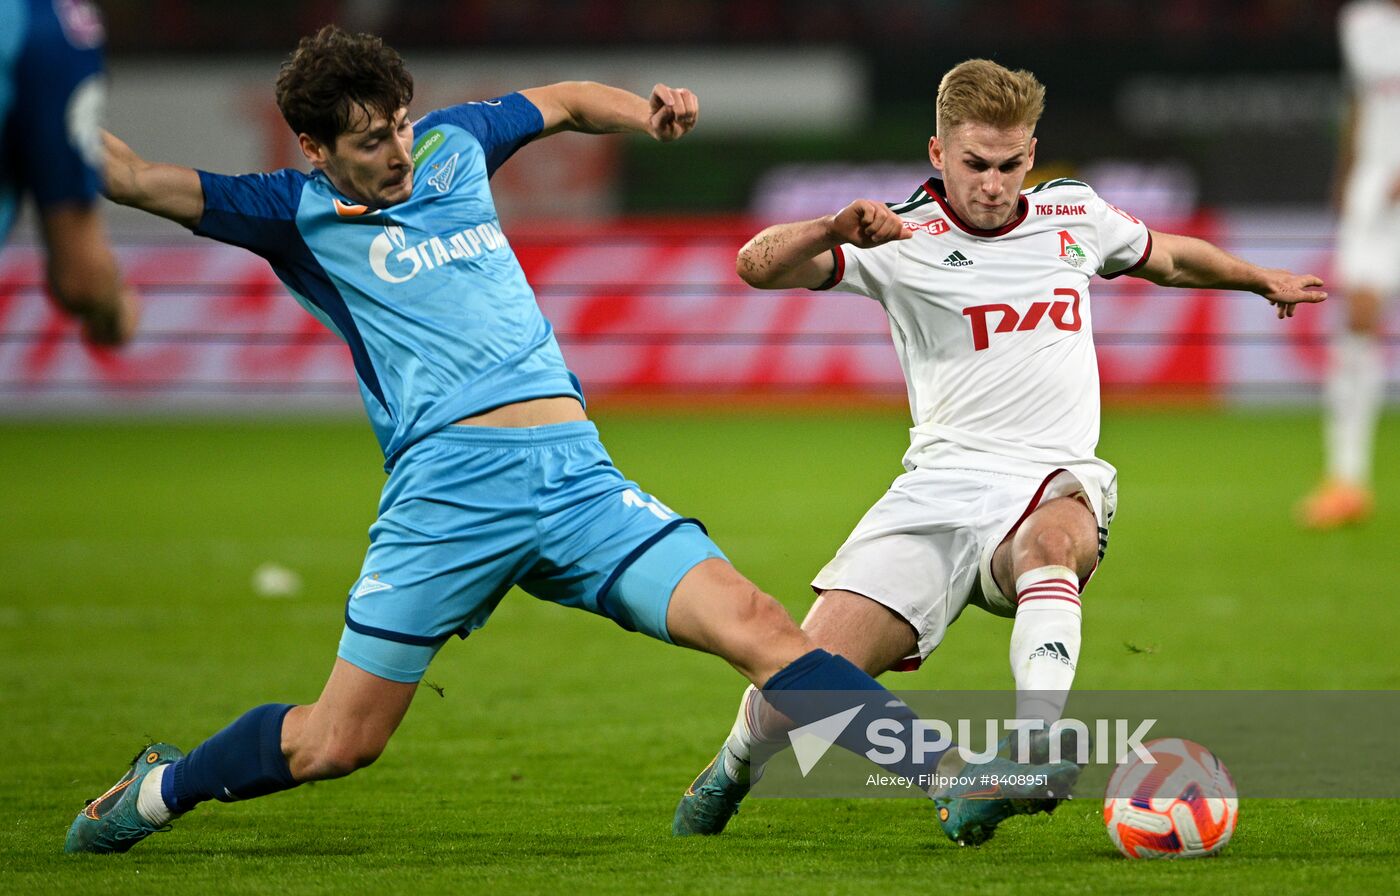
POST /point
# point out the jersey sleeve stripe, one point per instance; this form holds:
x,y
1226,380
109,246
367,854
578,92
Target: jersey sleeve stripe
x,y
839,271
905,208
1058,182
1146,253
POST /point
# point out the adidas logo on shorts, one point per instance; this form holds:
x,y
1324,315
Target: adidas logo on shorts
x,y
957,260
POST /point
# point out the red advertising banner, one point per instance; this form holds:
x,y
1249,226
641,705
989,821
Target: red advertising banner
x,y
639,305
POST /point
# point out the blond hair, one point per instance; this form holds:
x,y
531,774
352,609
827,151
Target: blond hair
x,y
982,92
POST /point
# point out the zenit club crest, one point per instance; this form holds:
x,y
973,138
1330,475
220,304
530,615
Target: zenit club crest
x,y
442,172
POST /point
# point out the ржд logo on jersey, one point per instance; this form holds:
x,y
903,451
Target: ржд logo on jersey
x,y
1063,314
434,252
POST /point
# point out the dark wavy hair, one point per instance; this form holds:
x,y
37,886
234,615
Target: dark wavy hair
x,y
333,73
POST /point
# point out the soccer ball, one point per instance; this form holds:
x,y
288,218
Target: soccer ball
x,y
1184,806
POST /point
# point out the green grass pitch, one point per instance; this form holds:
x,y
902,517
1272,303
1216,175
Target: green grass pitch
x,y
555,753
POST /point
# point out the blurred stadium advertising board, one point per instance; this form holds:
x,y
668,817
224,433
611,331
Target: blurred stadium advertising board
x,y
641,306
228,120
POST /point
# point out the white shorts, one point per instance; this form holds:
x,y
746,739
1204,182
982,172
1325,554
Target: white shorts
x,y
1368,237
925,549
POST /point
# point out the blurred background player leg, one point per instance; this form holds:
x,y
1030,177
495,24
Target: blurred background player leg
x,y
1355,392
52,95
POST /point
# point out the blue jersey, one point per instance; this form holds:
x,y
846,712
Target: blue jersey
x,y
427,293
51,97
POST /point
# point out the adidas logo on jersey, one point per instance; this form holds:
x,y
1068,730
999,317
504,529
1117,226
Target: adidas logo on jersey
x,y
957,260
1053,650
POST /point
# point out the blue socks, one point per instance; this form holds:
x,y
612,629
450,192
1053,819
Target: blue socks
x,y
245,759
240,762
801,689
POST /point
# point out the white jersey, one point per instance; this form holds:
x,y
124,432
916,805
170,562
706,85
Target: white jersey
x,y
992,327
1370,33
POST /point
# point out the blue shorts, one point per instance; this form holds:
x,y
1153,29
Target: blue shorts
x,y
470,511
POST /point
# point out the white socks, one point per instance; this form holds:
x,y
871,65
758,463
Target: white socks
x,y
1045,641
1355,385
751,728
149,803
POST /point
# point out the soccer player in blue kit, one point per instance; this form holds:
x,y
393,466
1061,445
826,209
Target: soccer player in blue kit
x,y
52,91
496,476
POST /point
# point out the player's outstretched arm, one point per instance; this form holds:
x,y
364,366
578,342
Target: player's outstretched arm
x,y
170,191
593,108
787,256
1185,261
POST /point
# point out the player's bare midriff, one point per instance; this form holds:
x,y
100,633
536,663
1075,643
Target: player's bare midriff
x,y
535,412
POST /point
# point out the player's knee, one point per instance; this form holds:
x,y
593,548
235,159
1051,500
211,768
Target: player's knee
x,y
719,611
762,615
1053,546
1045,545
83,282
759,628
1363,313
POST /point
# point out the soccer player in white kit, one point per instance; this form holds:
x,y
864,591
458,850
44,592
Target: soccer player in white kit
x,y
1004,504
1368,261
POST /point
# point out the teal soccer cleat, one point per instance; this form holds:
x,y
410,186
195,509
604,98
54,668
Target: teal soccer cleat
x,y
710,801
111,823
1038,747
969,812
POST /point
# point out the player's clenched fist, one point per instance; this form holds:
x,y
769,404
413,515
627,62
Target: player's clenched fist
x,y
674,111
866,224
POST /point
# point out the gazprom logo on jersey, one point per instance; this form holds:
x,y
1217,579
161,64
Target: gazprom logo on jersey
x,y
394,260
